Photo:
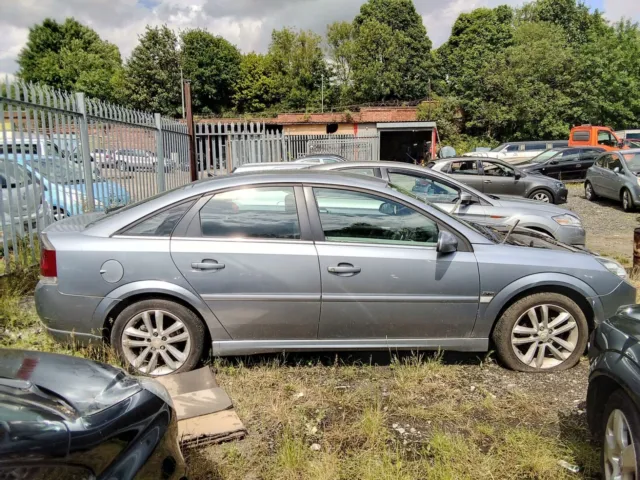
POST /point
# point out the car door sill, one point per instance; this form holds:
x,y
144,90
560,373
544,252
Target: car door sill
x,y
250,347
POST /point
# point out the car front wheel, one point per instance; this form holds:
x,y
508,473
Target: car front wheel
x,y
543,332
541,196
620,434
627,201
158,337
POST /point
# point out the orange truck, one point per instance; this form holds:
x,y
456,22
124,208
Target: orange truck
x,y
594,136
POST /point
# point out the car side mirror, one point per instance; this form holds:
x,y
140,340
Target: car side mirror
x,y
621,144
553,162
517,176
616,170
447,242
466,198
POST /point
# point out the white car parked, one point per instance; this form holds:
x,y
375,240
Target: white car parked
x,y
518,152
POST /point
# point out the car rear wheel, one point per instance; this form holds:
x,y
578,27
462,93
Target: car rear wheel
x,y
627,201
158,337
541,196
620,434
589,192
543,332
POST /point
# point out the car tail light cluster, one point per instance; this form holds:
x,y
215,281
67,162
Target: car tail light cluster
x,y
48,263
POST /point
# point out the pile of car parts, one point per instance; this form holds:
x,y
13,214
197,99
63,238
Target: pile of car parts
x,y
205,411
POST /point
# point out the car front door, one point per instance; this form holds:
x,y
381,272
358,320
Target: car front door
x,y
467,172
500,179
248,255
434,190
382,277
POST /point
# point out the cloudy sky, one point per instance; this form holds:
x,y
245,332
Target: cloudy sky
x,y
246,23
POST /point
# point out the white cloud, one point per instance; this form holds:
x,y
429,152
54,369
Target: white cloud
x,y
246,23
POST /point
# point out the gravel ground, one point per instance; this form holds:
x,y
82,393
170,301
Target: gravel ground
x,y
609,228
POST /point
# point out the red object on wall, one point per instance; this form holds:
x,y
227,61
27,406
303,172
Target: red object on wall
x,y
355,129
434,141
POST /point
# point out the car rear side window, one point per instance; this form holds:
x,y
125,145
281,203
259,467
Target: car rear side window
x,y
264,212
433,191
357,217
580,136
161,224
465,167
528,147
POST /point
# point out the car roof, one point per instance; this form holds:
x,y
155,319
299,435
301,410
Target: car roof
x,y
321,155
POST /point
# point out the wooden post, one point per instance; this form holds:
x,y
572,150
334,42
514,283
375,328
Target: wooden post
x,y
193,163
636,250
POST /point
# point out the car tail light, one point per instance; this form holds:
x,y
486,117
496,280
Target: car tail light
x,y
48,263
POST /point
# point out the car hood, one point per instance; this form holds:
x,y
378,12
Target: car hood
x,y
87,386
526,237
525,205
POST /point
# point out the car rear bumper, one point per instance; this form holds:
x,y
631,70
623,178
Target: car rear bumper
x,y
68,318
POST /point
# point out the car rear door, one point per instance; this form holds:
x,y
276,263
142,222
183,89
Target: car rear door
x,y
568,165
249,255
586,161
382,277
467,172
608,179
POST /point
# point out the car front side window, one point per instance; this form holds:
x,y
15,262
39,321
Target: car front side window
x,y
497,170
357,217
465,167
614,162
257,213
433,191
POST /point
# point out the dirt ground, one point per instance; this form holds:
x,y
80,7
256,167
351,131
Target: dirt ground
x,y
609,228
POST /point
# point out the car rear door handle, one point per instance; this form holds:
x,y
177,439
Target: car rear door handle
x,y
487,181
344,270
207,265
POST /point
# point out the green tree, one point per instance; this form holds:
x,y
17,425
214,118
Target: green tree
x,y
296,66
341,51
213,66
392,46
71,56
255,88
152,73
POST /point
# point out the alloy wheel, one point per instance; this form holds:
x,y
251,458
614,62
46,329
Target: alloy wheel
x,y
541,197
619,451
626,200
156,342
544,336
588,191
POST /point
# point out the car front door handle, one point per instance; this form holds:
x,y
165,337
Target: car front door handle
x,y
487,181
344,270
207,265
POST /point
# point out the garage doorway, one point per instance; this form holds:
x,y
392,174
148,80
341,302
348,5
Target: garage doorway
x,y
412,146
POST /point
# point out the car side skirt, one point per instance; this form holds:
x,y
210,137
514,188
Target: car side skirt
x,y
250,347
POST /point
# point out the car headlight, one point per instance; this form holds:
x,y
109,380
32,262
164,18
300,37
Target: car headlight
x,y
567,220
613,267
151,385
638,180
559,184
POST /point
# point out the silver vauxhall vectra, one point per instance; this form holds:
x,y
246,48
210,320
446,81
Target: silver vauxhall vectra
x,y
307,260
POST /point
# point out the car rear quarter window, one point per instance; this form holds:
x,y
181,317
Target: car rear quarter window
x,y
260,213
580,136
160,224
369,172
358,217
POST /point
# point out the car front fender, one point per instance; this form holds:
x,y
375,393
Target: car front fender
x,y
489,312
149,288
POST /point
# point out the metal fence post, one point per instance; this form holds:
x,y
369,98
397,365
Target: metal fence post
x,y
86,155
160,153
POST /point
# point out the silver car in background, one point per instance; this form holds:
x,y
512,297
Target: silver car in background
x,y
310,260
135,159
615,175
468,203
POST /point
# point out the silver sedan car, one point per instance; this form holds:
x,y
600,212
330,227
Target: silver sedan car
x,y
615,175
309,260
449,194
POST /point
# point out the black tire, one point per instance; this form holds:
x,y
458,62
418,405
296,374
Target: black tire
x,y
589,192
621,402
541,192
503,331
191,321
627,201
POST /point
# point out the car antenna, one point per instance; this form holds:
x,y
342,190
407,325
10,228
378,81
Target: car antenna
x,y
513,227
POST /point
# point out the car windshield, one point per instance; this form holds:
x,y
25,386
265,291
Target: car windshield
x,y
469,225
544,156
632,160
499,148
